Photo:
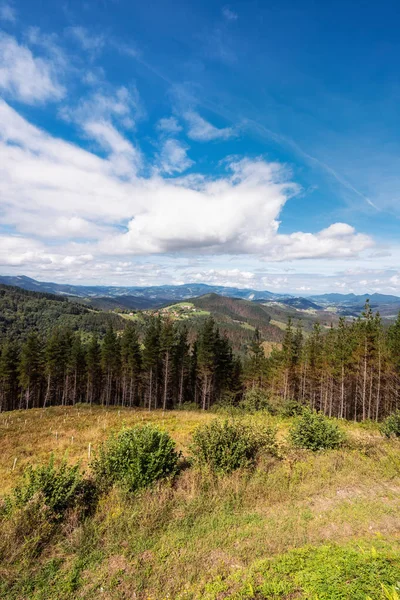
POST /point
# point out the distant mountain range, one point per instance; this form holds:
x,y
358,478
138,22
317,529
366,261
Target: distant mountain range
x,y
137,297
355,299
151,296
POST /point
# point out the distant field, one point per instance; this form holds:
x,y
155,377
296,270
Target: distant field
x,y
307,526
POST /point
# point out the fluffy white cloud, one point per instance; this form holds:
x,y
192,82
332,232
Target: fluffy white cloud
x,y
169,125
226,277
63,187
24,76
121,105
173,157
202,131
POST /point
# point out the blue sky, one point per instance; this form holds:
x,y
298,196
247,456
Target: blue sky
x,y
252,143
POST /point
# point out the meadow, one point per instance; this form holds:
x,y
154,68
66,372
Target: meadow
x,y
307,525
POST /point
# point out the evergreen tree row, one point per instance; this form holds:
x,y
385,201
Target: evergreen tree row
x,y
161,370
349,371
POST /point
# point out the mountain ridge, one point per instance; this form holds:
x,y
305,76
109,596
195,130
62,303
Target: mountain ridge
x,y
189,290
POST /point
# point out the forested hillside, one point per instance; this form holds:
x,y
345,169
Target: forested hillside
x,y
56,352
23,311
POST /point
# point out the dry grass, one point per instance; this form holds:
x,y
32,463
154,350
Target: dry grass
x,y
204,537
29,437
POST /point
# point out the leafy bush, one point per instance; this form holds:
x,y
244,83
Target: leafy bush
x,y
313,431
224,446
391,425
59,488
135,458
254,400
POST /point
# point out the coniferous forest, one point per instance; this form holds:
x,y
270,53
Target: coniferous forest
x,y
351,370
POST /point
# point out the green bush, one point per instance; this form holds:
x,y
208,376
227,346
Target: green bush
x,y
224,446
290,408
135,458
59,488
254,400
313,431
391,425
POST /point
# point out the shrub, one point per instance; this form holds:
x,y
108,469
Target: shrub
x,y
135,458
313,431
224,446
290,408
391,425
59,488
254,400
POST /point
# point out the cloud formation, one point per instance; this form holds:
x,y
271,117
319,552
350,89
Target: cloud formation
x,y
202,131
7,13
25,77
173,157
55,182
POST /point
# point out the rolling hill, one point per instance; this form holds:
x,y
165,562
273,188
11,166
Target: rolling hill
x,y
22,311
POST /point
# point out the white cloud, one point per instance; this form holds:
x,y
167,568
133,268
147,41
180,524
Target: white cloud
x,y
169,125
173,157
202,131
226,277
229,14
18,251
7,12
127,159
122,105
25,77
83,195
92,43
98,116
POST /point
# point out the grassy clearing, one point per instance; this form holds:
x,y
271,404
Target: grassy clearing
x,y
322,525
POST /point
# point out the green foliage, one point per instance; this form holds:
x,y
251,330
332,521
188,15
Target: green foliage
x,y
256,399
290,408
321,573
190,406
60,487
224,446
391,425
313,431
135,458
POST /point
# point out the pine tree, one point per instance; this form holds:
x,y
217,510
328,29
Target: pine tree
x,y
93,370
8,376
110,363
31,370
151,359
131,361
205,359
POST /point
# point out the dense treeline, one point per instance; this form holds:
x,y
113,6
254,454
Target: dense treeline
x,y
350,371
22,311
160,370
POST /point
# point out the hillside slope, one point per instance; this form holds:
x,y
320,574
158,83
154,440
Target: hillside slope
x,y
311,525
22,311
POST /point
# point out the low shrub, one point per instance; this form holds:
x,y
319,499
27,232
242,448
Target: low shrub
x,y
224,446
254,400
391,425
59,487
314,431
135,458
26,532
290,408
